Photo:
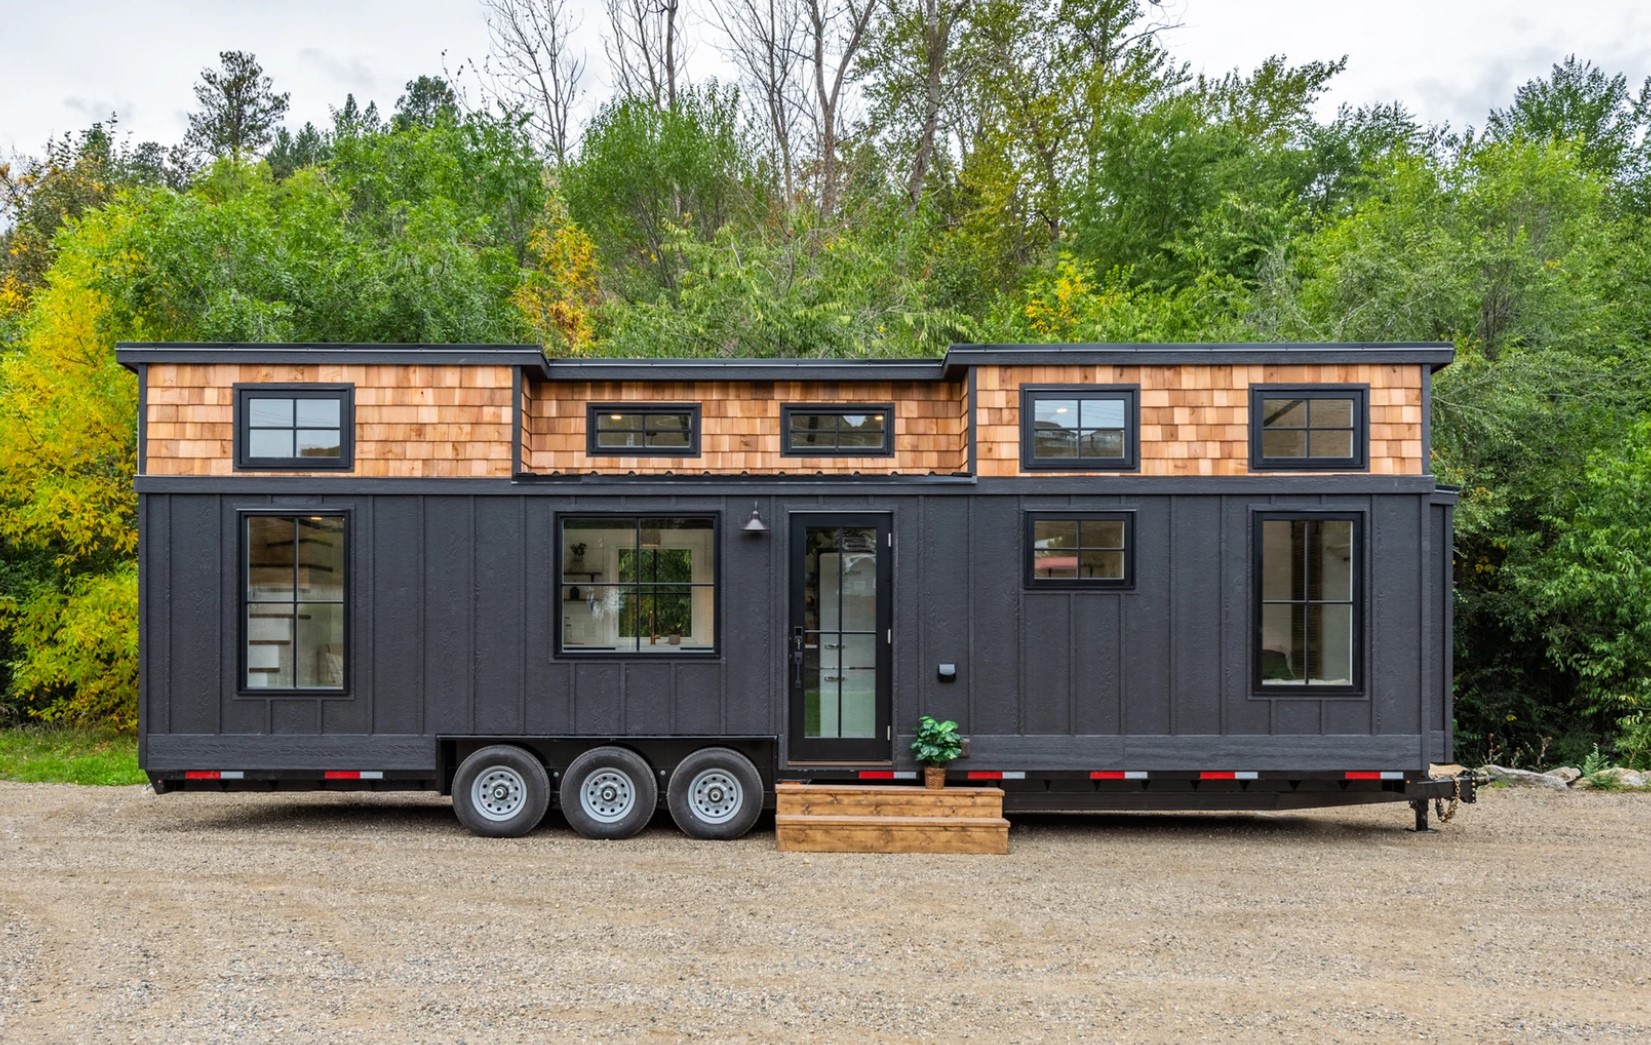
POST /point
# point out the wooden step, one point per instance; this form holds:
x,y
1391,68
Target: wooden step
x,y
891,834
879,800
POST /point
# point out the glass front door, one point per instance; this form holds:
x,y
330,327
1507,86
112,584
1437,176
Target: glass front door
x,y
839,639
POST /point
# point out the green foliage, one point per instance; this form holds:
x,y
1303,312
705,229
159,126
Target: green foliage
x,y
1031,170
413,236
644,170
937,743
58,755
799,291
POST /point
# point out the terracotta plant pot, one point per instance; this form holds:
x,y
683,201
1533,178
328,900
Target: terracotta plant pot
x,y
934,776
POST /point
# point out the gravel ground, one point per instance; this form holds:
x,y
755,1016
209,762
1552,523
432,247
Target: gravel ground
x,y
336,917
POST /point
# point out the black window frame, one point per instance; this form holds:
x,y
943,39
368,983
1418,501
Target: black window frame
x,y
690,410
1361,639
1029,553
713,652
1129,462
343,393
1359,462
243,517
790,410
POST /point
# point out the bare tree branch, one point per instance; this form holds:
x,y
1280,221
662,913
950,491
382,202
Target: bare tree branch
x,y
765,39
532,69
644,48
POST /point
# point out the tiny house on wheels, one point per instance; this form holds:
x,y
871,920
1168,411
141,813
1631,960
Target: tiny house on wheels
x,y
1139,576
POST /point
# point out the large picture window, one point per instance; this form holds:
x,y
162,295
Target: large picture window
x,y
637,584
1307,604
1079,428
1309,428
294,426
1079,550
294,594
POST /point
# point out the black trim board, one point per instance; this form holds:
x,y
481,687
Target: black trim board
x,y
169,751
132,354
958,358
1264,484
1293,751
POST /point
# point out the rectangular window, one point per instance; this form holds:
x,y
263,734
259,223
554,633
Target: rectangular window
x,y
637,584
294,593
1080,550
630,430
1309,428
1080,428
294,426
1307,604
860,430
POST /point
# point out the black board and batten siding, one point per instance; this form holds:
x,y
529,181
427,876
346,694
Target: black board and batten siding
x,y
452,627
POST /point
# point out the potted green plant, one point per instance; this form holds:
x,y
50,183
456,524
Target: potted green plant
x,y
937,743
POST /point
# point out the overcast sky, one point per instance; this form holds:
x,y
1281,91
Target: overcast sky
x,y
69,62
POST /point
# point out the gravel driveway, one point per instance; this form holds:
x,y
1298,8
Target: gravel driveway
x,y
129,916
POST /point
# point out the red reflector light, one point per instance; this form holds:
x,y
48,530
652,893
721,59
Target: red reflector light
x,y
1224,775
201,774
1362,775
343,774
876,774
1108,774
984,774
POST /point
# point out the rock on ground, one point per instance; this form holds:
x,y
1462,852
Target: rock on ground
x,y
1525,778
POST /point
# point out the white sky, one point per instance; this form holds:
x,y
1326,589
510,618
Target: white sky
x,y
64,64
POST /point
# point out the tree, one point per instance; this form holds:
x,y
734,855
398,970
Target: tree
x,y
428,101
293,152
835,31
239,108
644,47
644,169
764,40
352,121
1580,102
533,69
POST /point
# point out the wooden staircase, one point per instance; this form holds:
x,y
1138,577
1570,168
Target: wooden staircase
x,y
854,818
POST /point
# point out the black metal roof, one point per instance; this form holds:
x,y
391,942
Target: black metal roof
x,y
953,365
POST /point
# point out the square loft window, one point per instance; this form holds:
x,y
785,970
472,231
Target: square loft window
x,y
1080,428
1320,428
852,430
634,430
298,427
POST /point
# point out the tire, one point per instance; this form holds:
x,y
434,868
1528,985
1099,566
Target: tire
x,y
609,792
715,793
501,792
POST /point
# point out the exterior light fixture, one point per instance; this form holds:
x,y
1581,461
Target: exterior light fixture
x,y
755,523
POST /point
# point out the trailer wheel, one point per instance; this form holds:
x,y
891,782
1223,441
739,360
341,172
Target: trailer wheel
x,y
715,793
501,792
609,792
